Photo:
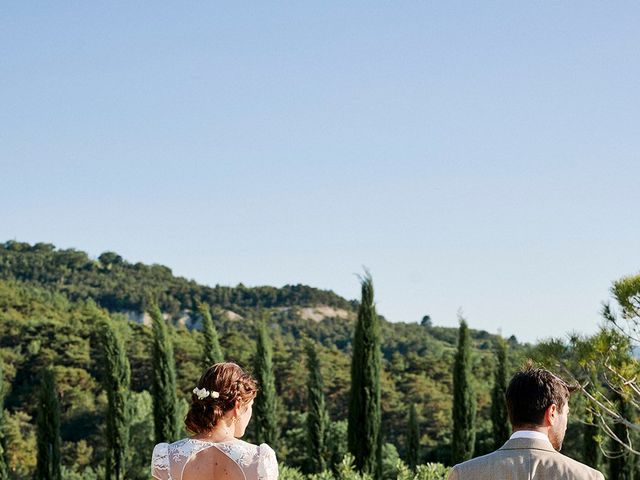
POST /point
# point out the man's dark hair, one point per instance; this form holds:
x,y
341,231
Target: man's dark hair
x,y
531,391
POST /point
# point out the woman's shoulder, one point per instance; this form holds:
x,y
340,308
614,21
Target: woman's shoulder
x,y
261,449
245,452
161,451
261,457
160,461
267,463
184,447
265,451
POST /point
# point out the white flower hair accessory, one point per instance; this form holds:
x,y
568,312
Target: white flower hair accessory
x,y
203,393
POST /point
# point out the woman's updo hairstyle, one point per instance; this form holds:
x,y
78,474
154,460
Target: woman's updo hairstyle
x,y
231,383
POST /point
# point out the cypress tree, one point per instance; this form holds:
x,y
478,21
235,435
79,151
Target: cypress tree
x,y
413,439
116,382
165,399
48,428
364,436
212,350
317,415
4,472
266,424
499,414
464,402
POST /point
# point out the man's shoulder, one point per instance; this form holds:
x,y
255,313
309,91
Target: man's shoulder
x,y
585,471
514,460
479,462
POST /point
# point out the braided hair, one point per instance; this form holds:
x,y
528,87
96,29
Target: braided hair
x,y
231,384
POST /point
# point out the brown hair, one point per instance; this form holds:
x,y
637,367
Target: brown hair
x,y
231,383
531,391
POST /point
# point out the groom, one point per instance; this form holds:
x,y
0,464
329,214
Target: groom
x,y
538,405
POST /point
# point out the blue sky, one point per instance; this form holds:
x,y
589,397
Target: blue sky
x,y
474,155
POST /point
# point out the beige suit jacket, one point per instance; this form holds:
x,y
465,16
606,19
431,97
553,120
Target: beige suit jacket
x,y
524,459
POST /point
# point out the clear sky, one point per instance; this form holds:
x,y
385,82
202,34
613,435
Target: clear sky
x,y
474,155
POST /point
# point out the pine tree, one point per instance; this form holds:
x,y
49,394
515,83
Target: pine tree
x,y
317,415
212,350
4,472
499,414
413,439
48,428
364,435
591,431
464,402
116,382
591,446
266,424
621,461
165,400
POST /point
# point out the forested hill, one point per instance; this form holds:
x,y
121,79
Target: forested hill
x,y
121,286
118,285
48,318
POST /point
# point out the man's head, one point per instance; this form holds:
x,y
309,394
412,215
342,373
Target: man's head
x,y
538,399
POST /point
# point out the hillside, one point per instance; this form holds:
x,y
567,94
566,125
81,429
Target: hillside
x,y
118,285
47,316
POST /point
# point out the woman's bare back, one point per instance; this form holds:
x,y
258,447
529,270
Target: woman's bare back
x,y
192,459
212,463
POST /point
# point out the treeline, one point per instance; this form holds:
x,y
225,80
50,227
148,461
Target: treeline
x,y
118,285
434,394
323,450
42,328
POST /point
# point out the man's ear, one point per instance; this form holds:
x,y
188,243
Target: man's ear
x,y
551,414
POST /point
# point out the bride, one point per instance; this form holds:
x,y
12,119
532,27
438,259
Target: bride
x,y
218,416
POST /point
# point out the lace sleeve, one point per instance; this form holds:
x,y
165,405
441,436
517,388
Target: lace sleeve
x,y
267,463
160,462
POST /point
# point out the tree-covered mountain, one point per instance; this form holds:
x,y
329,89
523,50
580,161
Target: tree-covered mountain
x,y
118,285
47,318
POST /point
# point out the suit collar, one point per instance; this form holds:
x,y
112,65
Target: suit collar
x,y
527,444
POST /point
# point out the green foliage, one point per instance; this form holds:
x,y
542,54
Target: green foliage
x,y
165,401
289,473
389,460
42,327
464,401
141,438
21,444
365,439
71,473
347,470
266,424
592,434
211,347
116,383
621,461
118,285
499,415
48,467
337,442
317,415
4,473
430,471
413,439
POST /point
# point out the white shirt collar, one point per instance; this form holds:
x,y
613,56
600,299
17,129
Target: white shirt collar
x,y
530,434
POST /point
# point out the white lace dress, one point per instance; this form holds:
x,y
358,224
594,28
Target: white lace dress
x,y
257,462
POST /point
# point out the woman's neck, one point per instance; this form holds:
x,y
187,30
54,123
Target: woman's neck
x,y
218,434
